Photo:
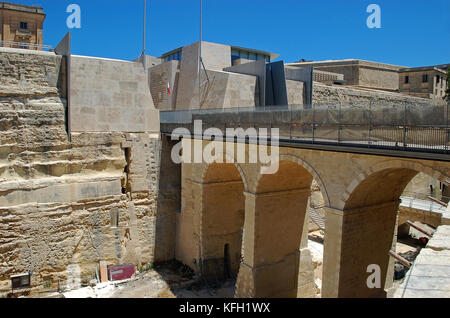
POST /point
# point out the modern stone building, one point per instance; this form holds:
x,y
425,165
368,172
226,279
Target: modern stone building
x,y
178,70
426,82
85,174
22,25
238,77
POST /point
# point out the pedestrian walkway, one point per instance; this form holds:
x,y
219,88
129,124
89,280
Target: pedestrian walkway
x,y
429,277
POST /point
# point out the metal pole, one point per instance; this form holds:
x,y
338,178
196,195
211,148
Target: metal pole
x,y
200,58
404,127
339,123
370,122
144,34
447,129
313,123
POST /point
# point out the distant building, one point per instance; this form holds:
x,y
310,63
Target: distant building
x,y
359,73
21,26
236,55
241,77
177,71
426,82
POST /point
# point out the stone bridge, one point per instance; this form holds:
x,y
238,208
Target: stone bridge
x,y
234,220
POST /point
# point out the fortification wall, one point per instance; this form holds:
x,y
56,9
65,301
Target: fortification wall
x,y
64,206
347,96
110,96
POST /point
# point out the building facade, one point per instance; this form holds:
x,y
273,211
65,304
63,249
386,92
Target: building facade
x,y
360,73
426,82
21,26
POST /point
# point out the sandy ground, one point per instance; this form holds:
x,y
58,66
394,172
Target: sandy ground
x,y
167,281
173,280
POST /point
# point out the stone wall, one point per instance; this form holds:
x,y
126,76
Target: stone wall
x,y
346,96
161,76
110,96
378,78
226,90
295,91
67,204
362,73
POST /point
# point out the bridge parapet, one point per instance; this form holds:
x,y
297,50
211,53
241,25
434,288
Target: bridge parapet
x,y
407,128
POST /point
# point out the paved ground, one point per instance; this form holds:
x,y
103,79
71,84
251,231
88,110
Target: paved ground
x,y
171,280
423,205
429,277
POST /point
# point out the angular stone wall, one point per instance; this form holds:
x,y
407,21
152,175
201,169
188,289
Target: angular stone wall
x,y
110,96
59,200
228,90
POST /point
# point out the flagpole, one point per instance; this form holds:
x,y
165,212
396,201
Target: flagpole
x,y
144,26
200,57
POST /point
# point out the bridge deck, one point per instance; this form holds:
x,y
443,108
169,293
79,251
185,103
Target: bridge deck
x,y
404,132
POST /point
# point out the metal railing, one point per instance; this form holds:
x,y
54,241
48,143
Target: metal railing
x,y
24,45
407,127
427,196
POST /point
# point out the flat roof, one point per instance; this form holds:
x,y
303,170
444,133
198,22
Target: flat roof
x,y
272,55
421,69
21,7
347,62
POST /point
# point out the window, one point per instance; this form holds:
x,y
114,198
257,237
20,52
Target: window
x,y
425,78
23,26
21,281
437,79
174,57
239,54
406,79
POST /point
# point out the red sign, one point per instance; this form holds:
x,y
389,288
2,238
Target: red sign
x,y
121,272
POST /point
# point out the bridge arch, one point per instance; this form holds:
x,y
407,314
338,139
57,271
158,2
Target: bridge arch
x,y
390,165
227,158
364,230
275,260
221,221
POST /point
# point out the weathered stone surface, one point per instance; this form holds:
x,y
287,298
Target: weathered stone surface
x,y
361,197
56,196
349,96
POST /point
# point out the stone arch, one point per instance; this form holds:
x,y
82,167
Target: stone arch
x,y
228,158
364,230
388,165
221,220
276,220
308,167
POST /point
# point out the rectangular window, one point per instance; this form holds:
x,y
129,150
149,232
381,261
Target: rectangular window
x,y
23,26
425,78
406,79
437,79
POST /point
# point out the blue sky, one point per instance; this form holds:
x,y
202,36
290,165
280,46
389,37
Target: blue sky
x,y
413,33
